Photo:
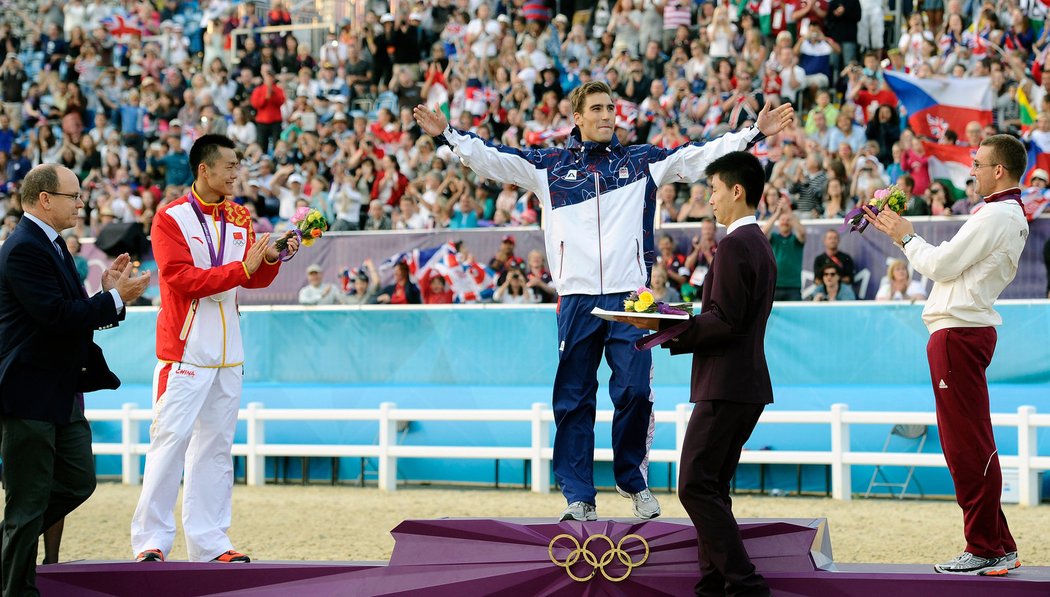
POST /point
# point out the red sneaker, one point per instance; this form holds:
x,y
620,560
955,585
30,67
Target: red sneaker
x,y
150,555
234,557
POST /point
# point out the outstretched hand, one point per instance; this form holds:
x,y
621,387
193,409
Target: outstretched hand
x,y
433,122
772,121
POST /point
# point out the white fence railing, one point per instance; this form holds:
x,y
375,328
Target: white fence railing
x,y
539,452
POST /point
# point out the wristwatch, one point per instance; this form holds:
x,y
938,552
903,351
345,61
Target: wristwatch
x,y
906,239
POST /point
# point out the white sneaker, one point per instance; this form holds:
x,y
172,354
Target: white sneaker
x,y
579,511
644,502
1011,560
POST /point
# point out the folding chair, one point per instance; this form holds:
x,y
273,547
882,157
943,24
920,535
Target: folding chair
x,y
911,433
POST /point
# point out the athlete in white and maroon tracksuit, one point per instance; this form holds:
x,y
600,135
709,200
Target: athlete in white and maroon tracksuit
x,y
969,272
204,253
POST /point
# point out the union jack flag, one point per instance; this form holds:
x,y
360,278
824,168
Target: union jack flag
x,y
938,126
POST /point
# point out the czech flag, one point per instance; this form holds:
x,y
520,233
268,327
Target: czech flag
x,y
950,164
1038,157
936,103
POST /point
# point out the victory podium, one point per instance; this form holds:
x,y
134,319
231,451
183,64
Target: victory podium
x,y
467,557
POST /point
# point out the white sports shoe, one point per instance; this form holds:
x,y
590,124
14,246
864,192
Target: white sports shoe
x,y
644,502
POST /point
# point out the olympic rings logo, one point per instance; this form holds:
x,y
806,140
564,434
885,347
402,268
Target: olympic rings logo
x,y
615,552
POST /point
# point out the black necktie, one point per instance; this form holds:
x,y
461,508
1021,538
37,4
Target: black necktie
x,y
68,259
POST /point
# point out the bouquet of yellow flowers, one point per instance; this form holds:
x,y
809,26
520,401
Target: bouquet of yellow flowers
x,y
309,224
891,198
643,301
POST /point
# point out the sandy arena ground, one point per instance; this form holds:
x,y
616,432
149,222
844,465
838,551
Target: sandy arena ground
x,y
291,522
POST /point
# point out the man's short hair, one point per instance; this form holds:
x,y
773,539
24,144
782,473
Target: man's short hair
x,y
43,178
578,97
740,168
1010,152
205,150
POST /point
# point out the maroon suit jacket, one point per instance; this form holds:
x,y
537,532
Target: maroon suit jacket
x,y
727,338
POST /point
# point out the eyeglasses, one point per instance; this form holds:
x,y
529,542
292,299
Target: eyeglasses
x,y
830,274
977,166
74,196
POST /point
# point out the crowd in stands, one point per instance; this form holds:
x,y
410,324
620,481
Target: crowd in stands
x,y
118,91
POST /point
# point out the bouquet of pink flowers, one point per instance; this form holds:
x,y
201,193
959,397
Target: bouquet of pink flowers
x,y
891,198
309,224
643,301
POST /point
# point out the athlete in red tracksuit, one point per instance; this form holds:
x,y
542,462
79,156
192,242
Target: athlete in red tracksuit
x,y
205,249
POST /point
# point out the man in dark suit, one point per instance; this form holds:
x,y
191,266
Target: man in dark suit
x,y
47,360
730,379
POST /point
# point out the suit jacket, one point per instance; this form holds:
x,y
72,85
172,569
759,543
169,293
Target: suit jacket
x,y
727,338
47,322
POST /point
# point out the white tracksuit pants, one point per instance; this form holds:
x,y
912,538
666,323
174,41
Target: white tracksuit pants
x,y
872,25
194,419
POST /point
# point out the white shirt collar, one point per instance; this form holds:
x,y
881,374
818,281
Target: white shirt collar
x,y
741,222
48,230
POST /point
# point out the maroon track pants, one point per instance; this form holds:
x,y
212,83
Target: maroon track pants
x,y
958,360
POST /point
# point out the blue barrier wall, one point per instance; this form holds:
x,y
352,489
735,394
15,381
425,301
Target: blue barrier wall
x,y
869,356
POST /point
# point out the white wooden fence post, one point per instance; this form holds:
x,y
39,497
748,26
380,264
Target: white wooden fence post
x,y
129,439
541,439
841,479
255,463
681,422
387,438
1027,448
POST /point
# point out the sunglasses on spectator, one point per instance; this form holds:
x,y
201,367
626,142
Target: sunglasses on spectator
x,y
832,274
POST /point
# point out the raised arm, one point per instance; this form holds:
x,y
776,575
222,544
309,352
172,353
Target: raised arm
x,y
686,163
503,164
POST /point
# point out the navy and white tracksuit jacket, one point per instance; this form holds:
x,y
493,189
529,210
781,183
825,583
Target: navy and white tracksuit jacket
x,y
599,203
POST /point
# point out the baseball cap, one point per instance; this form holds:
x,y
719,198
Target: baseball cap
x,y
313,269
387,18
339,117
508,239
295,178
415,17
1041,175
175,123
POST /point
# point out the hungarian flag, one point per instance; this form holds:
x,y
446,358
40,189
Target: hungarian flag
x,y
950,164
437,95
932,103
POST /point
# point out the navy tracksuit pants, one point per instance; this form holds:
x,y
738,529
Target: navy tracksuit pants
x,y
582,338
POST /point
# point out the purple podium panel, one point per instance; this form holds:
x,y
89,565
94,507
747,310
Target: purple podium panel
x,y
534,557
179,579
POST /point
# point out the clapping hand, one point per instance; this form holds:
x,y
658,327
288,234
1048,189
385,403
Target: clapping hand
x,y
773,120
253,258
128,288
111,275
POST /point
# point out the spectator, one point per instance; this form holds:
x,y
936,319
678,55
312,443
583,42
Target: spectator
x,y
832,255
917,205
267,100
505,260
702,256
661,287
831,287
317,291
914,162
377,218
788,238
539,278
842,22
672,261
898,285
697,208
402,291
514,290
365,286
435,290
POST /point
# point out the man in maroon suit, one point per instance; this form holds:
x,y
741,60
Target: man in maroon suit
x,y
730,379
